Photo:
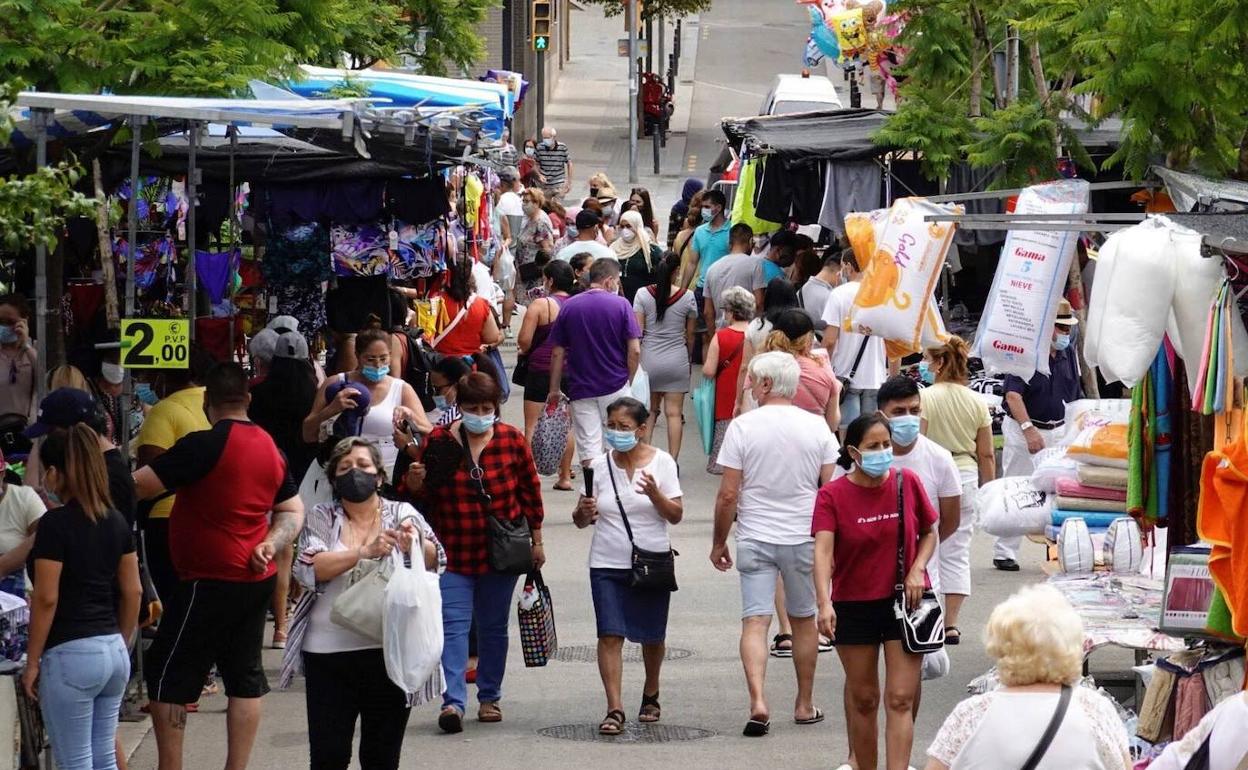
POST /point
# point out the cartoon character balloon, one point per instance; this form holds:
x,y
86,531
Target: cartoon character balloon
x,y
852,31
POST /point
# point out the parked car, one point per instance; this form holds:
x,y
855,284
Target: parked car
x,y
800,93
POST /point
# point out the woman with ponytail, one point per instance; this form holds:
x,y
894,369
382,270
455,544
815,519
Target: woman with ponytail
x,y
955,417
818,390
667,314
85,603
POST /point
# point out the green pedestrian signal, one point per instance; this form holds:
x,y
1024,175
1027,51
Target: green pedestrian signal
x,y
541,20
540,43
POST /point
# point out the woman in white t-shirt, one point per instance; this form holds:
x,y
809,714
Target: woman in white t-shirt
x,y
1037,640
640,481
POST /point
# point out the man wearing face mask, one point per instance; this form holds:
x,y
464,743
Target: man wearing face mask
x,y
711,239
553,164
588,229
236,507
1037,416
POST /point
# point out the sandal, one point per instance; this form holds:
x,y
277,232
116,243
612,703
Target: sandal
x,y
279,638
825,644
777,651
955,638
562,487
613,724
757,727
650,711
450,720
813,719
489,713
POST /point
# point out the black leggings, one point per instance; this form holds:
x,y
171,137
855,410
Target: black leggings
x,y
341,688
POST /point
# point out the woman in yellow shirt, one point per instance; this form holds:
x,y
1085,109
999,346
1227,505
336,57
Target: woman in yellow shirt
x,y
956,417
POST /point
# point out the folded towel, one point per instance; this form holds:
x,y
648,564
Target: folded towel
x,y
1091,504
1098,476
1073,488
1093,518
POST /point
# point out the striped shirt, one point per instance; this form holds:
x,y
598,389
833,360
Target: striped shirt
x,y
322,528
553,162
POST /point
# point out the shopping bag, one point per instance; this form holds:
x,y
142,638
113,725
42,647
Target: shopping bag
x,y
412,623
536,614
503,381
550,437
640,387
704,410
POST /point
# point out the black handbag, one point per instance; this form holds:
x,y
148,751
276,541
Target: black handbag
x,y
520,372
651,570
846,379
922,627
509,542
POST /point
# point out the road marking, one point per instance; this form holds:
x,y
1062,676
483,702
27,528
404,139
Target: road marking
x,y
692,163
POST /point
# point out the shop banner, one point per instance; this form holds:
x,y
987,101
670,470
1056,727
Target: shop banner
x,y
1016,330
895,300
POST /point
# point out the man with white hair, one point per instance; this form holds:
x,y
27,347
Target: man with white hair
x,y
775,458
554,167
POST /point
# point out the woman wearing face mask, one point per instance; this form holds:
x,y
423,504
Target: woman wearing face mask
x,y
855,527
527,165
680,210
637,254
18,361
534,343
956,417
391,400
638,481
105,384
473,469
85,603
535,240
346,672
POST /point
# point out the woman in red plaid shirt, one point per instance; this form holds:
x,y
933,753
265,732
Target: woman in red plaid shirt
x,y
457,498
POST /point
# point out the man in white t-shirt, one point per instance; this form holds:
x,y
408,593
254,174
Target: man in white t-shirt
x,y
775,458
846,348
511,211
588,228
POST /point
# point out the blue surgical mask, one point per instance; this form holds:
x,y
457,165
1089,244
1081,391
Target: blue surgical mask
x,y
876,464
7,335
905,429
478,423
440,401
143,391
620,440
1061,342
375,373
707,214
925,373
53,498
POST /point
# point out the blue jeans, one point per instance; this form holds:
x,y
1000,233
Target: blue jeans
x,y
489,596
81,684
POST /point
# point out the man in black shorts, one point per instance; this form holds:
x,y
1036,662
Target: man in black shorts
x,y
222,540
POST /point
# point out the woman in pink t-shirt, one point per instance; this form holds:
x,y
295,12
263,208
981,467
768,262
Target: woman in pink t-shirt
x,y
855,528
818,390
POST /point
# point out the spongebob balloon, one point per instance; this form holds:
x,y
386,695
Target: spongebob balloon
x,y
851,33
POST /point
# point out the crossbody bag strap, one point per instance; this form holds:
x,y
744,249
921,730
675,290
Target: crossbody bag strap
x,y
619,503
862,349
463,311
901,535
474,470
1050,732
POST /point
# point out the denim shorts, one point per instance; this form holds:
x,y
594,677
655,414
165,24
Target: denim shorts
x,y
858,402
637,615
760,564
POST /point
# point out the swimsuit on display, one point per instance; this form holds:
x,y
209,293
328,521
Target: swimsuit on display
x,y
215,269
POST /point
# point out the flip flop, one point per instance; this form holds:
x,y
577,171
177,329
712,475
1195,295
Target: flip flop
x,y
781,652
560,488
813,720
957,635
756,728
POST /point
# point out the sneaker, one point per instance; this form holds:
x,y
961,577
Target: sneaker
x,y
1005,565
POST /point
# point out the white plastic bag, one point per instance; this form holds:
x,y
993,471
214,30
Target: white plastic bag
x,y
1051,464
1124,546
935,665
1012,506
506,268
641,387
1075,553
411,627
1195,287
1130,302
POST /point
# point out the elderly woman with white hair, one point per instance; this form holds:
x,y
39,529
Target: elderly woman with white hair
x,y
1037,640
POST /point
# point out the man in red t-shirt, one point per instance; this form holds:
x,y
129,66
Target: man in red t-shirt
x,y
236,506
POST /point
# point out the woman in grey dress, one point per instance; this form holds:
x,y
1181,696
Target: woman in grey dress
x,y
666,313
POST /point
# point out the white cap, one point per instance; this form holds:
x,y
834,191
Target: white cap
x,y
291,345
284,323
263,344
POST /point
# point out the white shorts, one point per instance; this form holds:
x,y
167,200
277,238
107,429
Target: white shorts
x,y
588,417
953,558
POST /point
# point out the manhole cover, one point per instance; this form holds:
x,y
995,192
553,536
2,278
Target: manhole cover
x,y
633,733
588,653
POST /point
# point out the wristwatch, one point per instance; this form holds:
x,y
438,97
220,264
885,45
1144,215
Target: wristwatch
x,y
1026,426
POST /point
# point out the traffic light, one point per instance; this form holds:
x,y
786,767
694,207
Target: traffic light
x,y
542,20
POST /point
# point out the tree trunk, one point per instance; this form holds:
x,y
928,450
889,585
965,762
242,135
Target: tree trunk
x,y
975,108
984,48
107,263
56,319
1241,171
1037,71
1011,64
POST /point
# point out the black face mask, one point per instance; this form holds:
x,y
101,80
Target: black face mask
x,y
355,485
593,192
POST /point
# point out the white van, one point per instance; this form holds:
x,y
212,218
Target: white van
x,y
800,93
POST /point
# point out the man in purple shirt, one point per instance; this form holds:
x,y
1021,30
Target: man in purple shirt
x,y
597,334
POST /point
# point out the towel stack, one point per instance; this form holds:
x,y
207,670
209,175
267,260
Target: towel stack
x,y
1098,495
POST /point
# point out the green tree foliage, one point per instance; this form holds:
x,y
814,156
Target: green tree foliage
x,y
450,33
1174,72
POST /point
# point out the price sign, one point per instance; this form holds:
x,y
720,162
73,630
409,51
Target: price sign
x,y
155,343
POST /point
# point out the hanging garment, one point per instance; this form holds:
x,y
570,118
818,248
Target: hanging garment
x,y
306,303
472,198
360,250
1221,522
213,335
417,200
215,270
343,203
297,255
850,186
1163,433
353,300
743,207
85,300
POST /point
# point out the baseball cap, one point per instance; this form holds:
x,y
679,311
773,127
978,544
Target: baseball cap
x,y
587,219
263,344
284,323
291,345
350,422
61,408
509,174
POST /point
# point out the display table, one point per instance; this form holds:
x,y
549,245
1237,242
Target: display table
x,y
1117,610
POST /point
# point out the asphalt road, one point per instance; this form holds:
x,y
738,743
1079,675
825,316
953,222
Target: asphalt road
x,y
739,49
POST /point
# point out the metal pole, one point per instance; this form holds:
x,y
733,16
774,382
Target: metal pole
x,y
540,87
41,263
233,193
650,45
631,22
888,180
132,236
662,57
192,283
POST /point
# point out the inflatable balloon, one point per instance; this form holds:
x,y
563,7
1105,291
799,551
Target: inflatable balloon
x,y
823,38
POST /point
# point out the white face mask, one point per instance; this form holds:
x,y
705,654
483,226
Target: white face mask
x,y
628,235
113,373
